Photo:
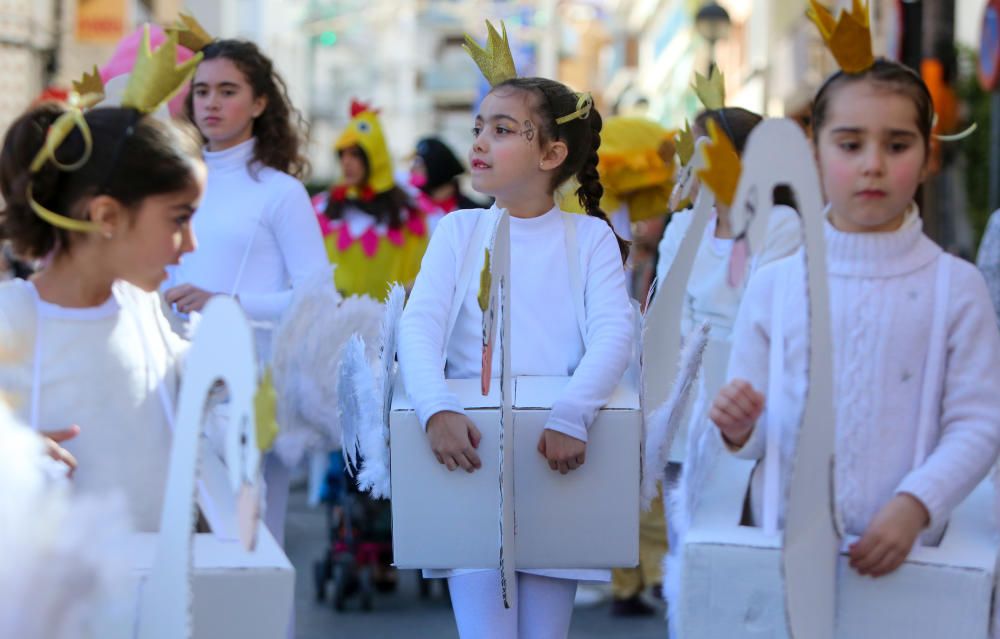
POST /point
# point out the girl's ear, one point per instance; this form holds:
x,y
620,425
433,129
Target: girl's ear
x,y
553,155
259,105
108,213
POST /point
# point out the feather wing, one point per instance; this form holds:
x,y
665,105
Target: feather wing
x,y
667,418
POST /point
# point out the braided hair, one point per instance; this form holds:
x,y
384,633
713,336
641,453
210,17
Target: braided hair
x,y
582,137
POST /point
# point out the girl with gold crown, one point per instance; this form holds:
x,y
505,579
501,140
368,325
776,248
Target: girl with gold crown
x,y
106,197
258,238
374,233
916,344
530,136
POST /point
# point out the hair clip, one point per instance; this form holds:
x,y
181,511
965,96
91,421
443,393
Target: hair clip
x,y
584,104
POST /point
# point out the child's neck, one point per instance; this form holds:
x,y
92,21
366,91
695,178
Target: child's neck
x,y
524,207
74,280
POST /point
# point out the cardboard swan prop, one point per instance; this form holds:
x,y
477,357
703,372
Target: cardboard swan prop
x,y
796,582
222,352
667,374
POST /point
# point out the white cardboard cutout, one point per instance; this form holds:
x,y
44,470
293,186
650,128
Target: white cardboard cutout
x,y
661,326
424,531
223,350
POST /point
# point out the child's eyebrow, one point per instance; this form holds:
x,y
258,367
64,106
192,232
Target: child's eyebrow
x,y
498,116
223,85
855,130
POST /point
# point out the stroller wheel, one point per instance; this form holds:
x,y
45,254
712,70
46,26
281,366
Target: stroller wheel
x,y
320,575
425,586
366,586
340,579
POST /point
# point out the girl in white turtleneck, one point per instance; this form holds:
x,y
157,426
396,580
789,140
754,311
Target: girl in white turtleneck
x,y
888,284
257,235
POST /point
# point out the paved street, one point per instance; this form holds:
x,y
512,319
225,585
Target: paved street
x,y
404,613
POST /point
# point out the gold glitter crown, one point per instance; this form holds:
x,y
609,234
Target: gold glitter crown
x,y
495,61
848,38
722,165
156,76
684,143
190,34
711,90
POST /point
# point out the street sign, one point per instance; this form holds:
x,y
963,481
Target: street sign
x,y
989,47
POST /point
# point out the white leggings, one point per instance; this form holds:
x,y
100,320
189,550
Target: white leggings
x,y
543,608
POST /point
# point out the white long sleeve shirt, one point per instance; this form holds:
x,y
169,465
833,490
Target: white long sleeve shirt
x,y
882,305
545,334
269,208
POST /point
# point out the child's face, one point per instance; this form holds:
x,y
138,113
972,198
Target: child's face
x,y
506,155
871,157
224,104
352,165
157,234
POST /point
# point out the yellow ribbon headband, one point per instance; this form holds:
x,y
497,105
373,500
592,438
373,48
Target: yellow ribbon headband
x,y
54,137
584,104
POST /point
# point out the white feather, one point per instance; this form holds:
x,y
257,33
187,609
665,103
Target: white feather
x,y
63,571
307,345
663,423
357,398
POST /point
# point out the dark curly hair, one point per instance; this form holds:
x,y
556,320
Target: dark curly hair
x,y
387,207
133,157
281,131
581,135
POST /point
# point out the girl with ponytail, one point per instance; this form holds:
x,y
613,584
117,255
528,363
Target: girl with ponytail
x,y
88,359
530,136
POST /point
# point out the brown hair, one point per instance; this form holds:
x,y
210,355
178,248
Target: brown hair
x,y
735,122
280,130
885,74
581,135
133,157
386,207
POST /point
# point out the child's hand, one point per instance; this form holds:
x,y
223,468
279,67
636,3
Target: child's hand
x,y
735,410
187,298
52,440
565,453
890,536
454,440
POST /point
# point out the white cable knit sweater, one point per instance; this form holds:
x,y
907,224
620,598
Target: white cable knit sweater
x,y
882,301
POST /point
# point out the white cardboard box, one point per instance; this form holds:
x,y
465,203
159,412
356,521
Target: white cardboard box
x,y
585,519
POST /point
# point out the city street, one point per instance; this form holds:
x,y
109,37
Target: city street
x,y
404,613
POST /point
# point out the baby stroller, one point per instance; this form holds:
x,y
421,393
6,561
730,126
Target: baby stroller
x,y
358,557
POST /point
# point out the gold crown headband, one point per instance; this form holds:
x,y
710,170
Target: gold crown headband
x,y
155,79
496,63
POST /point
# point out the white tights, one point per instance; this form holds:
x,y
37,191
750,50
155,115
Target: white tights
x,y
543,608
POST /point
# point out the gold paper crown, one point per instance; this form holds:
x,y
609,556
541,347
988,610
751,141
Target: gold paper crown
x,y
684,143
711,90
190,34
722,165
90,84
848,38
495,61
156,76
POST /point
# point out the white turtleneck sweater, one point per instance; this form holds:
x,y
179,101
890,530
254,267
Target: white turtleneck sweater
x,y
244,204
882,304
545,335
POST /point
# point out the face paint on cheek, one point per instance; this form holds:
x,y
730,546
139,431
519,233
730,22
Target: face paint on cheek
x,y
529,131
